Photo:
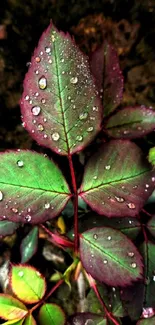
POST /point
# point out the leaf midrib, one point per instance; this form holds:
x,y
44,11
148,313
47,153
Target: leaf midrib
x,y
34,188
116,181
112,258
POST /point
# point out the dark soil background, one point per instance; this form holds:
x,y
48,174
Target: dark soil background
x,y
128,24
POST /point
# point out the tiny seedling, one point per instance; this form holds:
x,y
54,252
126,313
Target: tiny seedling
x,y
70,104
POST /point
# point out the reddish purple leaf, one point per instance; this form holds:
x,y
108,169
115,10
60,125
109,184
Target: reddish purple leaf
x,y
60,105
106,70
133,298
110,256
117,180
131,122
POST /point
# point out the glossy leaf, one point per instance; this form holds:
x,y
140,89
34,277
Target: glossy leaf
x,y
133,299
60,105
7,228
29,320
29,245
110,257
84,318
27,283
32,188
106,70
131,122
51,314
11,308
151,226
117,180
147,250
152,155
148,321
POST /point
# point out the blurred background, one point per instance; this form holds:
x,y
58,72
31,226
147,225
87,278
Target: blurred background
x,y
128,24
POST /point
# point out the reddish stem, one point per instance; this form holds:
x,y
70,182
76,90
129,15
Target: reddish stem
x,y
76,237
47,296
56,239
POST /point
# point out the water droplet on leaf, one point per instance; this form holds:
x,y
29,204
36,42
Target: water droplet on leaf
x,y
47,49
148,312
21,273
131,205
1,196
40,127
79,138
131,254
47,205
119,199
28,218
83,116
90,129
42,83
105,262
107,167
74,80
55,136
95,236
109,237
14,210
133,265
20,163
36,110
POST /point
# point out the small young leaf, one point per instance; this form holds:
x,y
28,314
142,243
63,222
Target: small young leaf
x,y
131,122
7,228
60,105
110,257
151,226
148,321
29,320
29,245
109,79
27,283
151,157
32,188
117,180
51,314
86,318
11,308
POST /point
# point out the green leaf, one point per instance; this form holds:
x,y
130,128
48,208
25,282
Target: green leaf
x,y
131,122
7,228
29,245
117,180
110,257
51,314
29,320
151,156
27,283
11,308
32,188
14,322
151,226
60,105
148,321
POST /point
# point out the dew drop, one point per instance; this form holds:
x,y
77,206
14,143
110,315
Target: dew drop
x,y
107,167
27,97
42,83
74,80
133,265
15,210
95,108
119,199
90,129
95,236
147,185
28,218
1,196
50,61
43,100
153,179
37,94
95,177
40,127
53,38
105,262
109,237
36,110
79,138
45,136
47,205
153,277
131,205
38,59
20,163
55,136
83,116
36,72
21,273
47,49
131,254
113,289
